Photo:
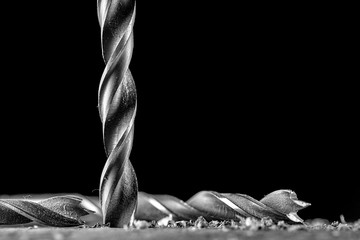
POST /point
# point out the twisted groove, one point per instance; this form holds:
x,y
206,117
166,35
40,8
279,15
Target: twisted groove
x,y
117,109
60,211
280,205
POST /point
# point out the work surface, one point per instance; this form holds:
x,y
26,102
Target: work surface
x,y
167,233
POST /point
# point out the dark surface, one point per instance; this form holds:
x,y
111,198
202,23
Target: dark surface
x,y
109,234
243,99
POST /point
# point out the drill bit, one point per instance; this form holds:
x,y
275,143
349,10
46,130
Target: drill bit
x,y
117,109
59,211
280,205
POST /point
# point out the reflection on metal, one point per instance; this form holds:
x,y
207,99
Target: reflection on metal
x,y
117,108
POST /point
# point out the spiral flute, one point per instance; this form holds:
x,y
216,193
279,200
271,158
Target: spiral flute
x,y
117,109
281,205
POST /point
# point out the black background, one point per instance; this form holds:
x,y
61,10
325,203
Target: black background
x,y
246,99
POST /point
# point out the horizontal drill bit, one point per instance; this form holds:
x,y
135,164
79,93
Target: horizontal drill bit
x,y
59,211
281,205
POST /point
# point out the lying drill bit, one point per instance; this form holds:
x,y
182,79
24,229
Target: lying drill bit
x,y
281,205
59,211
117,108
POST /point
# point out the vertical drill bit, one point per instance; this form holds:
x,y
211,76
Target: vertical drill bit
x,y
117,109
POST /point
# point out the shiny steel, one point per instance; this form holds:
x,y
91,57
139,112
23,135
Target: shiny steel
x,y
59,211
281,205
117,108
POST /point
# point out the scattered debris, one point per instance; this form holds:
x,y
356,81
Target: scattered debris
x,y
246,224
